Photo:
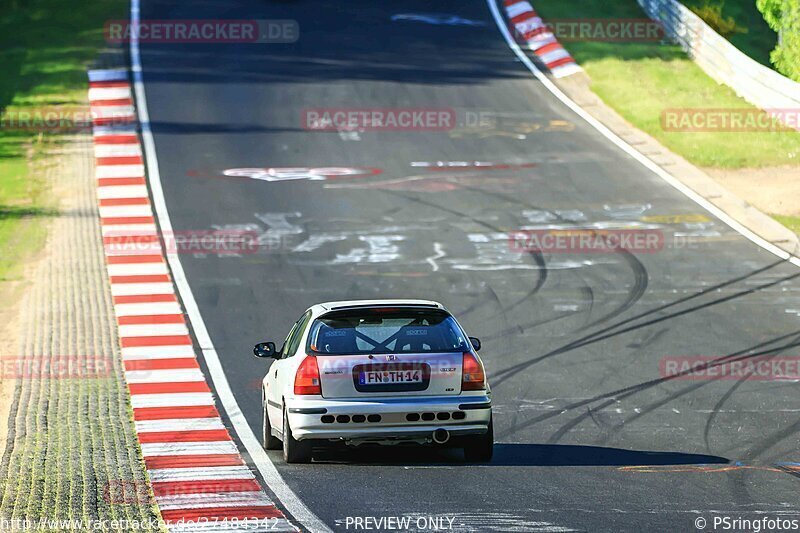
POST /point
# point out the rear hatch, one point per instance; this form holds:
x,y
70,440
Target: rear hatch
x,y
391,351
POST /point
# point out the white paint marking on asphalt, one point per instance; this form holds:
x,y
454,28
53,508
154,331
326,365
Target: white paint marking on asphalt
x,y
438,254
436,19
122,191
133,269
178,375
346,135
109,93
258,455
135,248
628,149
381,249
112,111
553,56
151,449
121,211
206,472
157,352
107,74
519,8
138,289
179,399
117,150
119,171
179,424
159,308
152,330
214,499
128,230
135,259
314,242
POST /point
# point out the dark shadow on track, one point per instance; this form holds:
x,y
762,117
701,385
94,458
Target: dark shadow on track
x,y
514,455
190,128
573,455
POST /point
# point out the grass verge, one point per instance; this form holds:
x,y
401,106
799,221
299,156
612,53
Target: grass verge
x,y
640,80
45,47
793,223
71,452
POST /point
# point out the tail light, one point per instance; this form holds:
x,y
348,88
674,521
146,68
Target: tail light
x,y
306,381
473,376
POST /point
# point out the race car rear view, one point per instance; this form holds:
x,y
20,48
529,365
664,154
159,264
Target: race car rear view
x,y
376,372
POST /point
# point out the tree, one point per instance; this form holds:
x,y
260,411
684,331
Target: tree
x,y
783,16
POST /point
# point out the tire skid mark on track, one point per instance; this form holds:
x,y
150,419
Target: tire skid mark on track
x,y
612,330
641,278
188,452
639,288
538,259
615,396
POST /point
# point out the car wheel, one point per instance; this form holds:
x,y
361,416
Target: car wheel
x,y
294,451
268,440
479,449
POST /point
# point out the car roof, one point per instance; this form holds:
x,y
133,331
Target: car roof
x,y
345,304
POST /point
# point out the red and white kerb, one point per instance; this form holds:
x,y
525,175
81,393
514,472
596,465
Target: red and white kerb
x,y
200,481
539,39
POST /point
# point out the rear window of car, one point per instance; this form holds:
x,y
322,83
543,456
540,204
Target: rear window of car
x,y
385,331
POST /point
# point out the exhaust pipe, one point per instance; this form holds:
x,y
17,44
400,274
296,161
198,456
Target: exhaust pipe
x,y
441,436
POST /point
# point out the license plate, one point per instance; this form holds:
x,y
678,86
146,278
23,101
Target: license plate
x,y
388,377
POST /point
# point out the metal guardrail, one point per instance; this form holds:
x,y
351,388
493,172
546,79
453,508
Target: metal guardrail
x,y
759,85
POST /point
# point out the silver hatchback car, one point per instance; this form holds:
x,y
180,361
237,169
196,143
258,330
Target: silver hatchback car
x,y
382,372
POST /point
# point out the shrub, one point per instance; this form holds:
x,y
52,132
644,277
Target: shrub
x,y
711,13
783,16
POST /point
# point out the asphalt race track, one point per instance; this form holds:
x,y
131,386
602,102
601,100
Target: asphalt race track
x,y
572,341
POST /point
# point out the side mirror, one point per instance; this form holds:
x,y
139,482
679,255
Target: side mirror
x,y
265,349
476,343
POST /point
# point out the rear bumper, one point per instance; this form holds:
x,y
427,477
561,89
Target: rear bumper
x,y
459,415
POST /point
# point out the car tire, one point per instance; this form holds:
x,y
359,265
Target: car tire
x,y
294,451
479,449
268,440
